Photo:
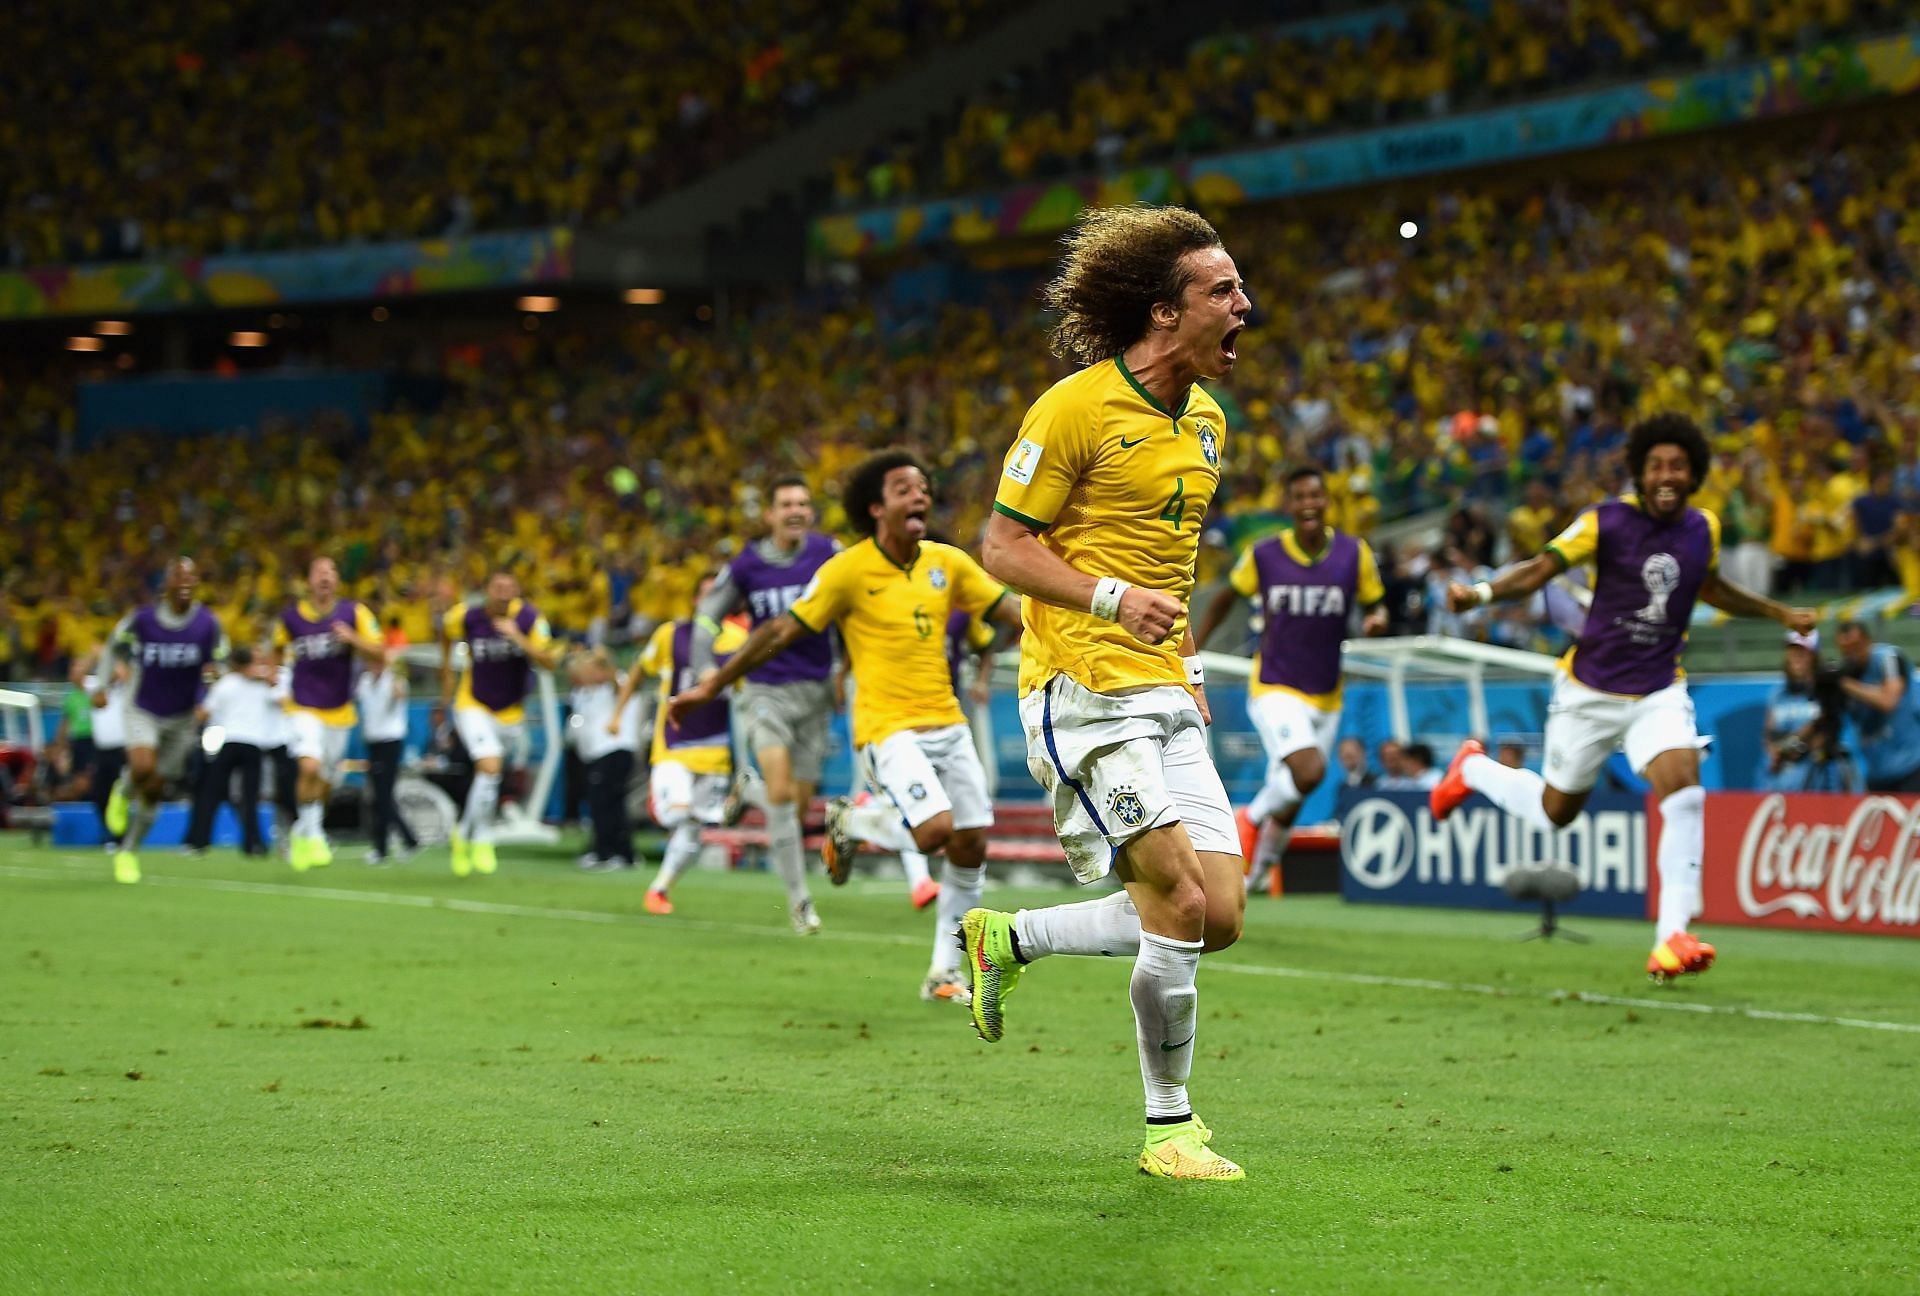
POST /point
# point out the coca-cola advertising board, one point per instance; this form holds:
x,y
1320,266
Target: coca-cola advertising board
x,y
1808,860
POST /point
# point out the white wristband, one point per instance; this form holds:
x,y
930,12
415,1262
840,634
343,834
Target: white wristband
x,y
1196,672
1106,598
1483,590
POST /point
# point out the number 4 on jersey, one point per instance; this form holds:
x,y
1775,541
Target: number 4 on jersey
x,y
1176,506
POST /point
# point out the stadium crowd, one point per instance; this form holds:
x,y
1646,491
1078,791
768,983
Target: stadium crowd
x,y
1158,97
138,130
1492,361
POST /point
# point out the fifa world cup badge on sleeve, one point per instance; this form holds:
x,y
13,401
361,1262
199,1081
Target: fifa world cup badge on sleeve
x,y
1026,457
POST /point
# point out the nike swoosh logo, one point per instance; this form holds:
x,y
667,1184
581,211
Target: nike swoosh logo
x,y
1174,1048
1128,445
875,591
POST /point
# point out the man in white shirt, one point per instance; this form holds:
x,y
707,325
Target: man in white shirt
x,y
240,706
607,750
381,692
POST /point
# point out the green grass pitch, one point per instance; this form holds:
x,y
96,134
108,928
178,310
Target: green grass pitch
x,y
232,1079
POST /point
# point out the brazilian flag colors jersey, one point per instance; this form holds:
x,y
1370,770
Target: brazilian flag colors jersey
x,y
1116,485
894,621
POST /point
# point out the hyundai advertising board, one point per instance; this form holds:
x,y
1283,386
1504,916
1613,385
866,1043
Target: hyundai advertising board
x,y
1392,852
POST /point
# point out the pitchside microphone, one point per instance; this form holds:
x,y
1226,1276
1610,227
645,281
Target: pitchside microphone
x,y
1550,884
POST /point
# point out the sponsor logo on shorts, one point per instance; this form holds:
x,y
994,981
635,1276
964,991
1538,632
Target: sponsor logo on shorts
x,y
1128,808
918,791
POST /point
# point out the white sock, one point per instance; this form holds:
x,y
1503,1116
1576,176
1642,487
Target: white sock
x,y
784,849
916,866
1278,795
1271,844
1520,792
311,821
1166,1016
1108,926
878,822
477,823
683,848
1683,833
959,892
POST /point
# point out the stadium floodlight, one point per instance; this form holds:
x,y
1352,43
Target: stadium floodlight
x,y
85,344
644,296
1409,229
246,338
113,328
539,305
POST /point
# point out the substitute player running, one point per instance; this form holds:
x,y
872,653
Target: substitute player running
x,y
891,596
173,648
1097,522
323,633
788,702
1621,684
691,765
1306,582
506,638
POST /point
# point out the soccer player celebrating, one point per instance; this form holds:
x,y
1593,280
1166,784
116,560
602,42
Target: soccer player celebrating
x,y
173,647
692,759
1620,684
1097,522
891,596
323,632
1306,581
788,703
506,637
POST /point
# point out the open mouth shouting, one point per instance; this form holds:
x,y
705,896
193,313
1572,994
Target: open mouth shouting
x,y
1227,344
916,522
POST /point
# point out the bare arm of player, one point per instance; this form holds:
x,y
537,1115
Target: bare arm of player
x,y
1719,592
622,696
765,643
545,656
1013,555
1515,582
446,671
1217,609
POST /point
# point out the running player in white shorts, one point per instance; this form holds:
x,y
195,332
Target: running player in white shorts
x,y
891,596
1097,522
1620,685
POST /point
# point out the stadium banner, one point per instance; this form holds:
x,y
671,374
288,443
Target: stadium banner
x,y
1392,852
1826,76
1811,861
375,270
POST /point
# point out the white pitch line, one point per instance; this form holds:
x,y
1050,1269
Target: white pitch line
x,y
410,901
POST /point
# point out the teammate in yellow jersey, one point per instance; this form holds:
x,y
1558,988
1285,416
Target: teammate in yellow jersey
x,y
1097,522
892,595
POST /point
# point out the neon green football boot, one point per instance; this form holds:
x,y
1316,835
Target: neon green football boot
x,y
126,866
1181,1152
116,813
484,860
992,971
460,854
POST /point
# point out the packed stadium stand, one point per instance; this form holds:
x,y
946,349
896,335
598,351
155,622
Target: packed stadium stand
x,y
1189,81
264,124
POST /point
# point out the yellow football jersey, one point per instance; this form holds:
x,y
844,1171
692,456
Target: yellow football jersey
x,y
1117,486
657,659
894,622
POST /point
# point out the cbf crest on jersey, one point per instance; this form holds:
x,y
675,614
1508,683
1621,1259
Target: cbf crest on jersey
x,y
937,578
1209,444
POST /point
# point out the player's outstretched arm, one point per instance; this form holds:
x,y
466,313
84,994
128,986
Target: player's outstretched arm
x,y
1734,600
1515,582
721,602
446,671
1013,555
768,641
